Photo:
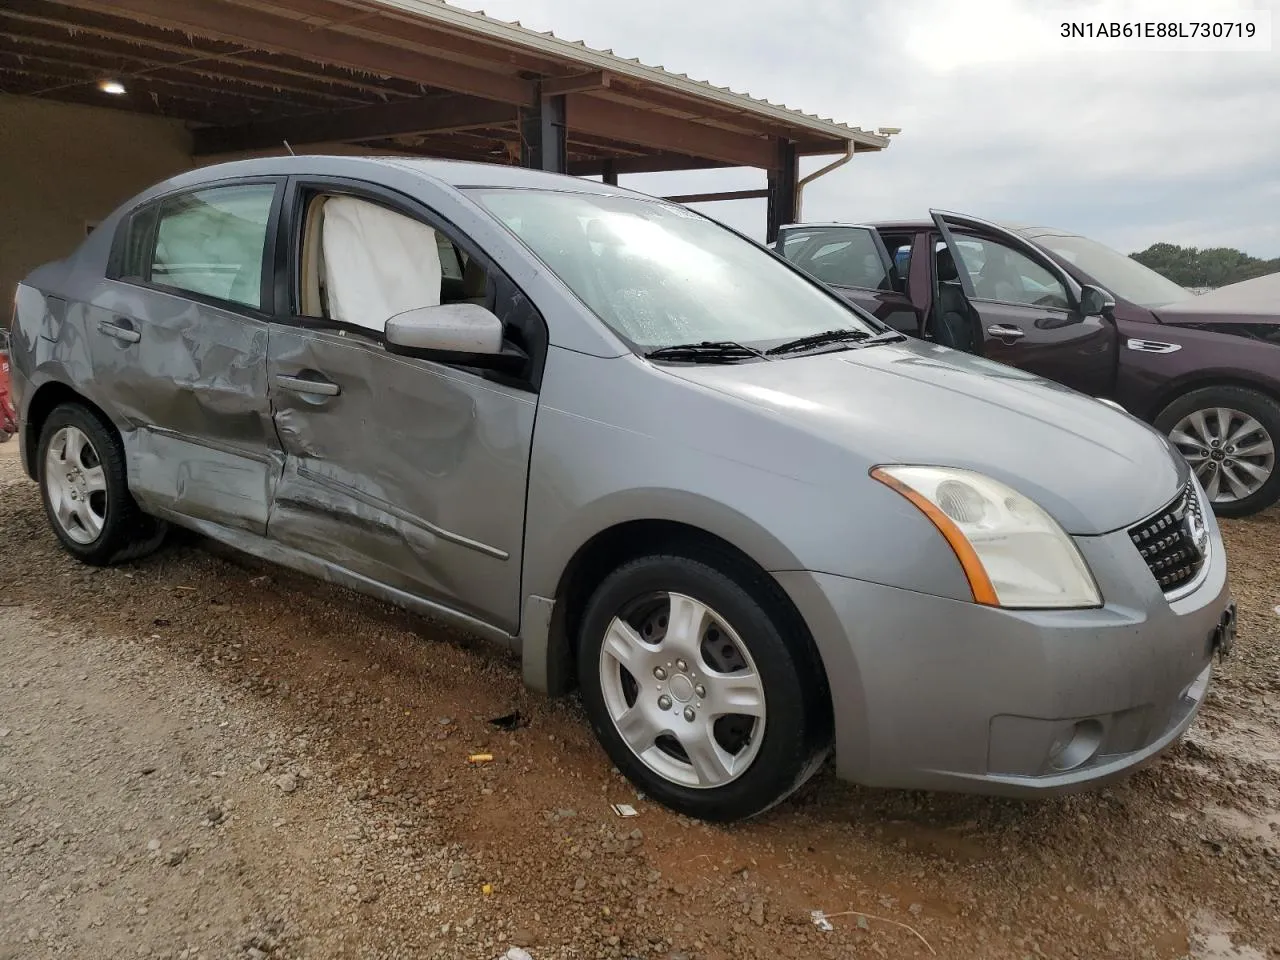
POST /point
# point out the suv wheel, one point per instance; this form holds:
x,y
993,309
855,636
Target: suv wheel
x,y
1229,436
694,692
81,469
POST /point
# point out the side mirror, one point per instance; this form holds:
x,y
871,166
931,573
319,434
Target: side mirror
x,y
1095,302
447,328
463,333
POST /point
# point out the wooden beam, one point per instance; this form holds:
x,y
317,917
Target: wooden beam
x,y
118,57
654,163
160,105
219,20
373,122
721,195
387,23
85,70
152,39
579,83
633,125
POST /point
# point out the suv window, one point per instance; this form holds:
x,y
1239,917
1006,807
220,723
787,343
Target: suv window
x,y
1008,275
845,256
212,242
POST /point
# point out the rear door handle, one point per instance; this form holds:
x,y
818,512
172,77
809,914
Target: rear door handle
x,y
1005,332
307,385
122,333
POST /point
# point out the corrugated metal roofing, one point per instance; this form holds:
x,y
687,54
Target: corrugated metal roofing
x,y
513,33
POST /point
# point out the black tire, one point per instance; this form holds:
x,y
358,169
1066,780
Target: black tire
x,y
1257,405
797,728
127,533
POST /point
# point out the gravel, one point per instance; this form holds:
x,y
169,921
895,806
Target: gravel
x,y
202,756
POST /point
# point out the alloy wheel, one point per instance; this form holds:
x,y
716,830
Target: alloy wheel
x,y
76,484
1232,454
682,690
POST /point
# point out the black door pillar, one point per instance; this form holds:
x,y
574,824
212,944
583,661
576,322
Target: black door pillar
x,y
609,172
543,143
783,190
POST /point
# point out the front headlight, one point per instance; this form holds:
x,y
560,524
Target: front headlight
x,y
1012,552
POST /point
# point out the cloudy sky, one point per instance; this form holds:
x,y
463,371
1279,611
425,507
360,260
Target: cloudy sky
x,y
998,118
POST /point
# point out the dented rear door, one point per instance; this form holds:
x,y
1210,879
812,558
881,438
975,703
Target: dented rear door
x,y
177,338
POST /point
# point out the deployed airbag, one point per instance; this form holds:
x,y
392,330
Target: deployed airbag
x,y
378,263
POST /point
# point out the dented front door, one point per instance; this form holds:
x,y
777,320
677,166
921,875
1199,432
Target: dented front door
x,y
406,472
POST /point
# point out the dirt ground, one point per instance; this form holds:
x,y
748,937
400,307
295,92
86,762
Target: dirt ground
x,y
204,757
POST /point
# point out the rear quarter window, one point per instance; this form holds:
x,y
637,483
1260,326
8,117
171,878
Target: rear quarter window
x,y
135,244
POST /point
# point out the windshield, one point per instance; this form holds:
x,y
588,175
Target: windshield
x,y
660,275
1122,276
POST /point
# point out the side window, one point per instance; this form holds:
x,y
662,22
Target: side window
x,y
135,260
1003,273
899,247
212,242
362,263
845,256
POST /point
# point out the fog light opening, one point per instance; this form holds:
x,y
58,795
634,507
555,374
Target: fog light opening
x,y
1076,746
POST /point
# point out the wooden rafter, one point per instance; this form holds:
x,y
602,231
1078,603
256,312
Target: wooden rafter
x,y
222,20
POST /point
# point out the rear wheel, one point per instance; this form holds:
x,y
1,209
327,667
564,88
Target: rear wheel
x,y
84,486
1228,435
694,692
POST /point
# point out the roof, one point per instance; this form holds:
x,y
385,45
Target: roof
x,y
411,76
459,174
577,52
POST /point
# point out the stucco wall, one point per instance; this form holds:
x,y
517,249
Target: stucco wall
x,y
62,165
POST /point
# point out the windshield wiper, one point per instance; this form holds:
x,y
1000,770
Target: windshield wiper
x,y
708,351
819,340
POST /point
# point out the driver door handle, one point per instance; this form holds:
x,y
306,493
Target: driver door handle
x,y
119,331
306,385
1005,332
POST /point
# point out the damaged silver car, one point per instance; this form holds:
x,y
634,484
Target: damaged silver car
x,y
747,520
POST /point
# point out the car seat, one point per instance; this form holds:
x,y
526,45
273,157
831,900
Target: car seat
x,y
956,325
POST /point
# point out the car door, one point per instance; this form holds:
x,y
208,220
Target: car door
x,y
177,338
853,261
1027,307
403,471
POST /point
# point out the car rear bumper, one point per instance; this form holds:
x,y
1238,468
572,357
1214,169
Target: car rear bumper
x,y
934,693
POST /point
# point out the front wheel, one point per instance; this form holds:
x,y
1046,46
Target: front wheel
x,y
695,691
1228,435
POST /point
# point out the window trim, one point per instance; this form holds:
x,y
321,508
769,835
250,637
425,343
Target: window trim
x,y
936,238
288,281
266,308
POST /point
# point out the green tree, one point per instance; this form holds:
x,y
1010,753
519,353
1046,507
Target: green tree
x,y
1208,267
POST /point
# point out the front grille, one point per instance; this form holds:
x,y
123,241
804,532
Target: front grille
x,y
1175,541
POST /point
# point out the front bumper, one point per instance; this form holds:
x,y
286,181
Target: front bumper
x,y
934,693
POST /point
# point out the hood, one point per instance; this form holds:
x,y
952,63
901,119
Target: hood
x,y
1092,467
1257,299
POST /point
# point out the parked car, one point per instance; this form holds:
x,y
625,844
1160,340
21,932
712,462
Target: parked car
x,y
8,416
747,520
1204,372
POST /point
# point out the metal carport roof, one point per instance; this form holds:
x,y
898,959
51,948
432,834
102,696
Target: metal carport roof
x,y
411,76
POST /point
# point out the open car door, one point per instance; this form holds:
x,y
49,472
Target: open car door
x,y
999,295
853,261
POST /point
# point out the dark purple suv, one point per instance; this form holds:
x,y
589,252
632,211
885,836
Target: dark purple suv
x,y
1204,370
